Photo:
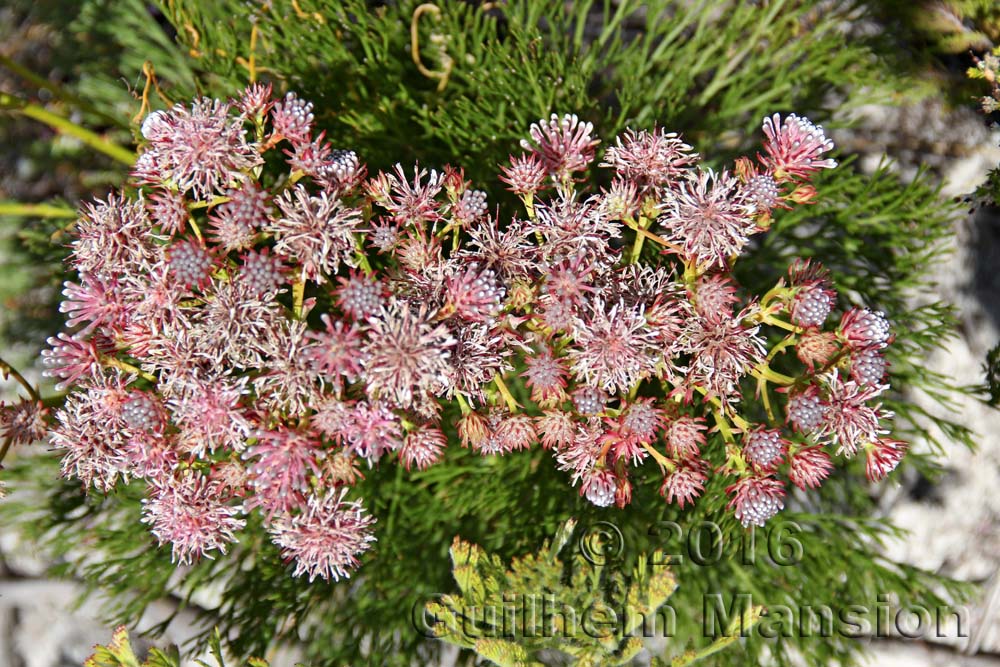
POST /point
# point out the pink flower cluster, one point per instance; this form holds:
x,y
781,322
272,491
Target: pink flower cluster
x,y
245,341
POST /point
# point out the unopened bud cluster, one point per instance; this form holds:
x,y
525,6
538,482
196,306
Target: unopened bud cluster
x,y
249,341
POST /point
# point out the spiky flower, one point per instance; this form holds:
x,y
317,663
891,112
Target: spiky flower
x,y
685,483
709,217
192,517
564,145
280,464
525,175
190,263
422,447
406,356
882,456
809,466
794,147
723,350
23,422
756,499
546,376
293,118
650,160
613,349
863,329
763,447
315,231
235,223
326,537
202,149
599,487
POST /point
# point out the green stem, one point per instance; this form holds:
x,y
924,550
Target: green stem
x,y
298,297
129,368
7,370
740,627
66,126
659,458
505,392
58,91
637,246
7,442
764,371
36,210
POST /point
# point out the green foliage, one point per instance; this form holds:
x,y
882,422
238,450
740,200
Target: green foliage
x,y
584,609
119,653
495,613
708,70
711,69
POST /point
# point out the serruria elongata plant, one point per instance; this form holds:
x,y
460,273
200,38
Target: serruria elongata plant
x,y
246,341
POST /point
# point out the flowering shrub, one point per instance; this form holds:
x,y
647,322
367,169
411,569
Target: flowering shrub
x,y
263,320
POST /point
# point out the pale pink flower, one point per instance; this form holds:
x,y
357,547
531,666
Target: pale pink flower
x,y
201,149
326,537
613,350
849,421
817,348
422,447
863,329
708,217
262,273
192,517
190,263
336,351
210,416
234,224
315,231
806,409
506,433
23,422
546,377
413,202
556,429
508,252
651,160
292,118
715,296
475,295
756,499
882,456
723,350
93,302
406,356
525,175
113,237
685,483
341,172
812,299
280,464
360,296
809,466
73,358
255,100
564,145
794,147
684,436
168,209
589,400
868,367
370,430
764,447
599,486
